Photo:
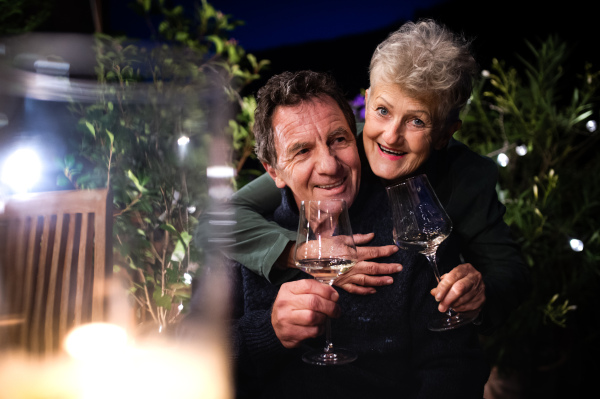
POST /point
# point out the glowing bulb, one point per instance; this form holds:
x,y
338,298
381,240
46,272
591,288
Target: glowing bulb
x,y
502,160
191,209
21,170
485,73
591,126
183,140
187,278
576,245
521,149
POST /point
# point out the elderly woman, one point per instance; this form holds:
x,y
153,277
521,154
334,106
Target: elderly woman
x,y
420,78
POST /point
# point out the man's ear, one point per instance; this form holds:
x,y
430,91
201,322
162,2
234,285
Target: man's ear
x,y
367,96
274,175
446,134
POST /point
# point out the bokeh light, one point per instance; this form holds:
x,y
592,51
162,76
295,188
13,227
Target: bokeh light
x,y
502,160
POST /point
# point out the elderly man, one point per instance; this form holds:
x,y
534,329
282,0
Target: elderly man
x,y
311,128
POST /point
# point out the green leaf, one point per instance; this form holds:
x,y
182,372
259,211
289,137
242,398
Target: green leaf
x,y
218,42
111,137
162,301
91,128
186,237
135,181
170,228
179,252
132,265
181,36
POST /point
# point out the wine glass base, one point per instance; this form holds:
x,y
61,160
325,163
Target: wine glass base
x,y
446,322
335,357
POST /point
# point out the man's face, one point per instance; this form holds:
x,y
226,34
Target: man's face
x,y
317,157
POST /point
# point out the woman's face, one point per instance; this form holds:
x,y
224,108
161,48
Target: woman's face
x,y
398,134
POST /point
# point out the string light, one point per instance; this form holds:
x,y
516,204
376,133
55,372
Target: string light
x,y
502,159
576,245
591,126
521,150
183,140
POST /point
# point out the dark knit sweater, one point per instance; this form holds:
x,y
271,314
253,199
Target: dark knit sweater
x,y
397,356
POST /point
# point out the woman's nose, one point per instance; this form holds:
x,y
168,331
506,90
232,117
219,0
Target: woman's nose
x,y
394,133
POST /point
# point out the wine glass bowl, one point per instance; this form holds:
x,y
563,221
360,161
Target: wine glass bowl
x,y
325,249
421,224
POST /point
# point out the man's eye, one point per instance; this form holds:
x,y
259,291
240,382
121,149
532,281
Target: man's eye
x,y
302,151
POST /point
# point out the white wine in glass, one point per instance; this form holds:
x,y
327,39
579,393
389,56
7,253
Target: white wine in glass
x,y
421,224
325,249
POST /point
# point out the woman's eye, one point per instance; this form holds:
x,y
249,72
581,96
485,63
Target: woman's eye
x,y
382,111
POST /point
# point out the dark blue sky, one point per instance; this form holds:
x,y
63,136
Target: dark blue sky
x,y
270,24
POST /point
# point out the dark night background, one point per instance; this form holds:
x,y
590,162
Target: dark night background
x,y
339,36
336,36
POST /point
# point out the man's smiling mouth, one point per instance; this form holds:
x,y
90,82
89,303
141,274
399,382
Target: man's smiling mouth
x,y
388,151
333,185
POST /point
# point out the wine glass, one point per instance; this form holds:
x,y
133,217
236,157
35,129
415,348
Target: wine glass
x,y
325,249
421,224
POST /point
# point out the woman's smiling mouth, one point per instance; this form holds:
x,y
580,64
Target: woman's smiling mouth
x,y
388,151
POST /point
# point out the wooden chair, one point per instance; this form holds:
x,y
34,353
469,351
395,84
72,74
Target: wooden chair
x,y
55,260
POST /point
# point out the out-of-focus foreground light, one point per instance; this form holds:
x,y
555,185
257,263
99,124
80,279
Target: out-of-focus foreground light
x,y
220,172
95,340
21,170
3,120
576,245
591,126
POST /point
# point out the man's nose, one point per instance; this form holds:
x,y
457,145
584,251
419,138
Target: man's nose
x,y
327,161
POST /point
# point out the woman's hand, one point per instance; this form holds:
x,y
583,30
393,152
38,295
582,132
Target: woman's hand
x,y
462,289
365,275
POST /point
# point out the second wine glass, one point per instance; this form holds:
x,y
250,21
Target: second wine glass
x,y
325,249
421,224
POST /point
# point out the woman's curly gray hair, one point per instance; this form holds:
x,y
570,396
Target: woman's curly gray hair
x,y
430,63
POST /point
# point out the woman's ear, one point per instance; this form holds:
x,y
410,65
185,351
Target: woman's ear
x,y
446,134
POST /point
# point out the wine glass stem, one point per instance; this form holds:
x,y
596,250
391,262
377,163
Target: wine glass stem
x,y
328,343
431,258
